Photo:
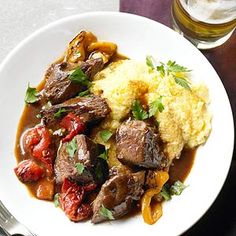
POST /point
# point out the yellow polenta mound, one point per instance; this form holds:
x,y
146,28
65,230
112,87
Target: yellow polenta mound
x,y
185,120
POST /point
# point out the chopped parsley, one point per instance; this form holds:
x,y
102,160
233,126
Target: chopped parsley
x,y
31,95
59,112
175,189
182,82
105,135
173,67
78,76
138,112
106,213
155,106
104,155
80,168
84,93
77,54
56,200
39,116
71,147
150,62
165,193
47,105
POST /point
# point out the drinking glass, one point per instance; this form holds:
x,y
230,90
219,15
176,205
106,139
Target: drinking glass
x,y
206,23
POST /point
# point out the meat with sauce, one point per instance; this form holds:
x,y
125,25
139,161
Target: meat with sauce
x,y
90,109
59,87
137,145
118,195
86,153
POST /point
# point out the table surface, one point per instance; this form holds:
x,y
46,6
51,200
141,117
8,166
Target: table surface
x,y
19,18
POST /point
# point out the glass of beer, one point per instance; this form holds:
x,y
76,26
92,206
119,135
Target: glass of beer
x,y
206,23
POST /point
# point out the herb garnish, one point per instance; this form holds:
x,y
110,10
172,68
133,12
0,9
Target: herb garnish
x,y
106,135
47,105
173,67
155,106
104,155
138,112
150,62
38,116
182,82
78,76
59,112
176,189
56,200
165,192
80,168
31,95
84,93
71,147
106,213
170,68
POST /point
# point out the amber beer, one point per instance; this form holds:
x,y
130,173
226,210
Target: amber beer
x,y
206,23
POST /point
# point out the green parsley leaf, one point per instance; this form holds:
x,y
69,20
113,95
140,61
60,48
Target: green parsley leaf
x,y
105,135
47,105
173,67
39,116
78,76
182,82
80,168
71,147
165,192
59,112
138,112
104,155
31,95
56,200
177,188
150,62
161,69
156,106
84,93
106,213
77,54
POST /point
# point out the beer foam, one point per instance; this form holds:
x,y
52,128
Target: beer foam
x,y
211,11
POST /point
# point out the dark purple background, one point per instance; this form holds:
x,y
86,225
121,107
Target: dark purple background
x,y
220,219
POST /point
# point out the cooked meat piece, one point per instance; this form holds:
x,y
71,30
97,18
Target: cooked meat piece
x,y
59,87
89,109
86,154
137,145
118,195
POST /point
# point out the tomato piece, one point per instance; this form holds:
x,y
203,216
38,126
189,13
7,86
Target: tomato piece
x,y
71,198
37,140
73,125
29,171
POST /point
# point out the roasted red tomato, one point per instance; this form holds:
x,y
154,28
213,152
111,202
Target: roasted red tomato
x,y
37,140
73,125
29,171
70,198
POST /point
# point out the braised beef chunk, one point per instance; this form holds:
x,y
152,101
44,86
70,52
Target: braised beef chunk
x,y
86,155
59,87
137,145
89,109
118,195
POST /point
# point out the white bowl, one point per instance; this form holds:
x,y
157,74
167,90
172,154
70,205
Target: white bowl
x,y
136,37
